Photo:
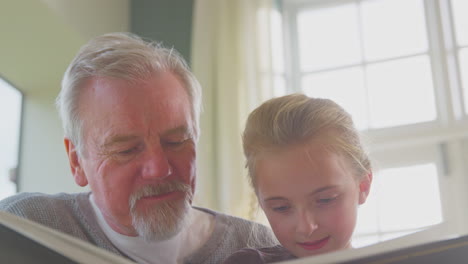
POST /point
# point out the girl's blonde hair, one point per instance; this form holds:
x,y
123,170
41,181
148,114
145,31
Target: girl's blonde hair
x,y
297,119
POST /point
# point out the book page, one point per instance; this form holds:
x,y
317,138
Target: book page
x,y
433,240
70,247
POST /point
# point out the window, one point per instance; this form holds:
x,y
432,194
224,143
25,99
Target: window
x,y
400,67
364,58
460,21
10,116
405,194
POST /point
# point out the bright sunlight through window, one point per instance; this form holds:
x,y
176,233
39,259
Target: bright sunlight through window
x,y
372,64
402,200
10,116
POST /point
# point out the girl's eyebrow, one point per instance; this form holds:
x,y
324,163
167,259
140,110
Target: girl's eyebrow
x,y
275,198
322,189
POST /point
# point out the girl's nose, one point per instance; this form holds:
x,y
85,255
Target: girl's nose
x,y
306,224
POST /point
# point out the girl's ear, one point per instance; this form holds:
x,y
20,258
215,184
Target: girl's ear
x,y
74,160
364,187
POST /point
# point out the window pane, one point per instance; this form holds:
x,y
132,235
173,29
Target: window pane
x,y
400,92
463,58
10,116
408,197
277,42
362,241
460,9
393,28
345,87
390,210
368,219
279,86
397,234
328,37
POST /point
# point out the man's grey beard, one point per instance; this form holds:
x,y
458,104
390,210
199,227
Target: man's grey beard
x,y
166,218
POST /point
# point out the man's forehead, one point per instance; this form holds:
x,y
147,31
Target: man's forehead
x,y
121,113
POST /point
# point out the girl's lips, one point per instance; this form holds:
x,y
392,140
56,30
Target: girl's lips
x,y
314,245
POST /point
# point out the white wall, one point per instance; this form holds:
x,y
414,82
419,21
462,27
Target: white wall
x,y
44,164
37,43
91,18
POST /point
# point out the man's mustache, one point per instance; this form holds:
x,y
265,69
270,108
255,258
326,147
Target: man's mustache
x,y
162,188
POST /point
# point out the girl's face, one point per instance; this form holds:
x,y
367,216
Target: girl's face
x,y
310,197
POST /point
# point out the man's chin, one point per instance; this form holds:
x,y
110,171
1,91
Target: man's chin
x,y
163,221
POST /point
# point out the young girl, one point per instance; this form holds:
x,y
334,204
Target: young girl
x,y
309,172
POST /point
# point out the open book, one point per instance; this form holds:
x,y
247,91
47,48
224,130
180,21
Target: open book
x,y
436,245
24,241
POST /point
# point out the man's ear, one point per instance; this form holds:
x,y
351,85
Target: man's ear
x,y
364,187
76,169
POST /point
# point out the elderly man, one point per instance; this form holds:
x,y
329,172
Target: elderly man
x,y
130,111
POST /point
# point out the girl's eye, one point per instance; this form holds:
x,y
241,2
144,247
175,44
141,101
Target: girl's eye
x,y
281,209
326,200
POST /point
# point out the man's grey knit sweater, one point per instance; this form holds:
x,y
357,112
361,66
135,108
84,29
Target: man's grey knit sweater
x,y
74,215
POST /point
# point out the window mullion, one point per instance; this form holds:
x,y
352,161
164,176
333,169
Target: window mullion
x,y
448,106
292,69
449,60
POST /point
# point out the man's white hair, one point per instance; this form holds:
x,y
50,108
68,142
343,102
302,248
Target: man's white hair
x,y
123,56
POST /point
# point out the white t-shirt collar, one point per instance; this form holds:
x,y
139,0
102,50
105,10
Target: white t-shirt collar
x,y
174,250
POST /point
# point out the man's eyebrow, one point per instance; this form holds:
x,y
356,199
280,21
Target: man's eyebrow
x,y
178,130
126,138
118,139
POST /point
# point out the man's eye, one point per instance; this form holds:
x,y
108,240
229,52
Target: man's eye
x,y
128,151
175,143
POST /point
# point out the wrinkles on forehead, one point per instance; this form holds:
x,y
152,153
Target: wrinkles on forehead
x,y
117,111
118,138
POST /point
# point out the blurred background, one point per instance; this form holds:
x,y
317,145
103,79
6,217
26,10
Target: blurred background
x,y
400,67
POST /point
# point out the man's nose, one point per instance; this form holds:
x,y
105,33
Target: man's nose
x,y
306,223
156,164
